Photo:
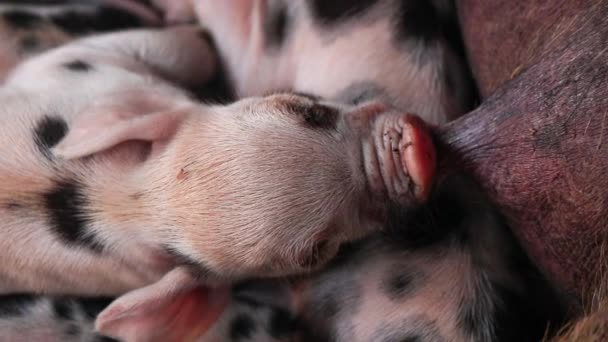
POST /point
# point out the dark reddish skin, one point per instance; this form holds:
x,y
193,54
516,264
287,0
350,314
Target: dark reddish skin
x,y
538,143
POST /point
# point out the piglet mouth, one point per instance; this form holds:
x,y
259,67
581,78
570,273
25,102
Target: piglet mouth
x,y
398,157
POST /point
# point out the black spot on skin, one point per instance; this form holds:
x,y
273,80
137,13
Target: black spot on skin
x,y
113,19
315,115
22,20
276,25
419,20
29,43
74,23
66,206
336,11
104,20
242,327
333,293
15,305
48,132
78,66
397,286
320,116
63,310
282,323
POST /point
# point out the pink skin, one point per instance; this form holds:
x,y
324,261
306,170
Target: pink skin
x,y
400,155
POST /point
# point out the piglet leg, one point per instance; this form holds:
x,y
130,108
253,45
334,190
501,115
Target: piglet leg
x,y
182,54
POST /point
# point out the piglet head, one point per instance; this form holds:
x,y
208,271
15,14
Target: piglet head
x,y
283,180
267,186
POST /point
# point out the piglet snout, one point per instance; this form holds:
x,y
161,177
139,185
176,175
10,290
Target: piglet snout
x,y
398,154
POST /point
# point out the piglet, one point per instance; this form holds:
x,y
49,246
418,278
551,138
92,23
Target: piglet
x,y
113,179
28,28
405,54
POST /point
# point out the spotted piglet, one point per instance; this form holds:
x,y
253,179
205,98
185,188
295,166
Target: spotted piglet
x,y
404,53
114,180
28,28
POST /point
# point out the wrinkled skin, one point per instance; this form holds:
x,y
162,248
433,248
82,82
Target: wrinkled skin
x,y
537,144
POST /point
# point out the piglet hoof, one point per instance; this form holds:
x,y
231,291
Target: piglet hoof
x,y
418,156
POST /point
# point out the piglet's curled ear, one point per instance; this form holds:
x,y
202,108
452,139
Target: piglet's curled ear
x,y
173,309
129,117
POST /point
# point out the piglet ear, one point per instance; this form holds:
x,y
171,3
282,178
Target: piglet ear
x,y
127,117
173,309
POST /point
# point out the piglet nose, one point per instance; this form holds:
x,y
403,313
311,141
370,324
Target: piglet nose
x,y
397,150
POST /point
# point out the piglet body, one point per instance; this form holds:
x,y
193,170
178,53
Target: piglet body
x,y
348,51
